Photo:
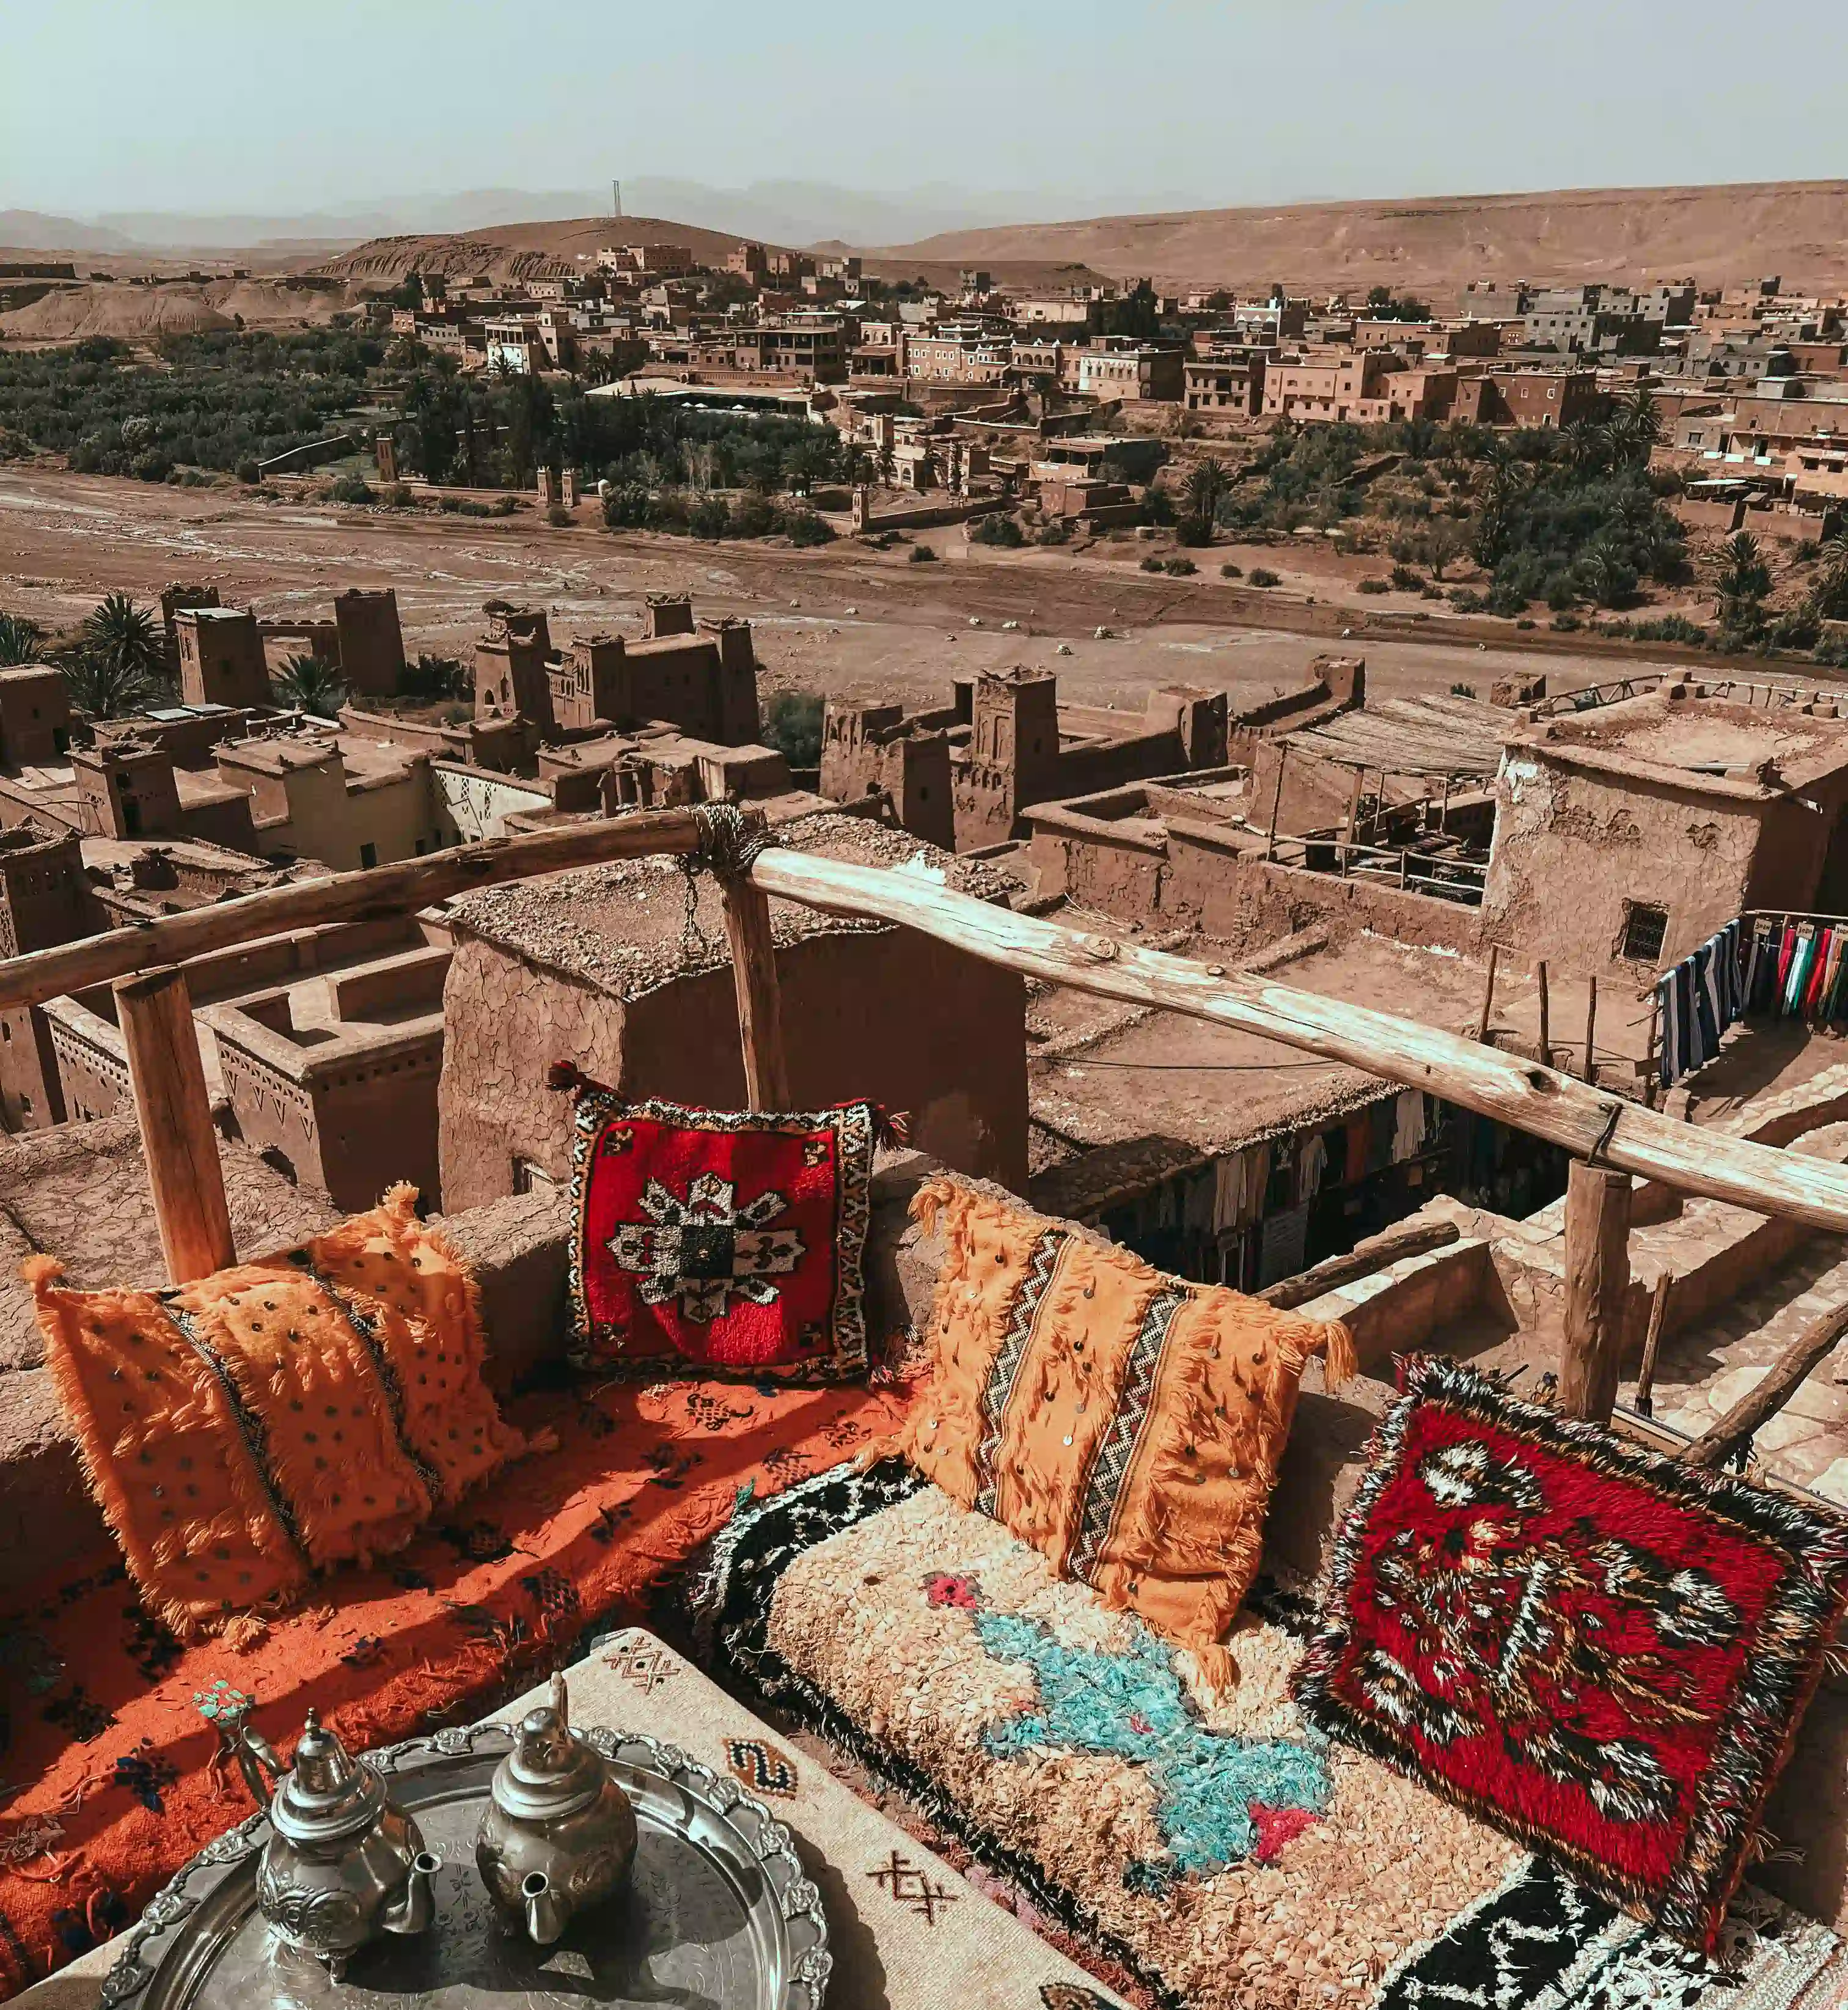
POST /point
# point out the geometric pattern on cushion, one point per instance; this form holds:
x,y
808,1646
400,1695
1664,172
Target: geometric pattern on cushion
x,y
1542,1940
717,1241
1604,1651
1201,1843
1127,1425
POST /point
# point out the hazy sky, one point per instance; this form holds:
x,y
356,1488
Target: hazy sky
x,y
1095,104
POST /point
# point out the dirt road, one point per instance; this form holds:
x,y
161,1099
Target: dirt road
x,y
844,619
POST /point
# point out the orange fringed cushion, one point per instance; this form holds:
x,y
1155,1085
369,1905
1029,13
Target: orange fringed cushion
x,y
276,1419
1127,1424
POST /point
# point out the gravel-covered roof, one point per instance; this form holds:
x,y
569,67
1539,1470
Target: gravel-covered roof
x,y
623,926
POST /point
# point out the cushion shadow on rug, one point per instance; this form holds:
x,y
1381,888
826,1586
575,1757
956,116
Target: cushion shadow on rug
x,y
1602,1650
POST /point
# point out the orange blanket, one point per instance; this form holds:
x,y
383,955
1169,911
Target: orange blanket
x,y
114,1741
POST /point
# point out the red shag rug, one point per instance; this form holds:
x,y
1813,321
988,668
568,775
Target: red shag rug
x,y
1602,1651
112,1768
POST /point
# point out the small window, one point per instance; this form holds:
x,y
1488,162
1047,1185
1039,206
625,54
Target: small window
x,y
368,855
1645,928
529,1178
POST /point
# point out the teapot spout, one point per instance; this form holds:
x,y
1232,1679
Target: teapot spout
x,y
546,1911
414,1912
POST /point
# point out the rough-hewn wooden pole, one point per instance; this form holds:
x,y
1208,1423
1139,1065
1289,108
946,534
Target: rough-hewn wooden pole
x,y
760,996
1596,1280
1591,1029
1488,996
155,1012
342,896
1413,1239
1545,1055
1761,1404
1509,1088
1652,1344
1652,1057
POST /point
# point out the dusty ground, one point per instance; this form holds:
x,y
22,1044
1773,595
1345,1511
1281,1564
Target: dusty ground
x,y
844,619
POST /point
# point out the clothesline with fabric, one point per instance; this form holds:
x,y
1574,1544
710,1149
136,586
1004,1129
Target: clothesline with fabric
x,y
1698,999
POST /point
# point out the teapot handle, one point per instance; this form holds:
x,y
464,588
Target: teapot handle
x,y
255,1757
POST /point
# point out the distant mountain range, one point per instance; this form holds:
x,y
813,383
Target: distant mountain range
x,y
783,212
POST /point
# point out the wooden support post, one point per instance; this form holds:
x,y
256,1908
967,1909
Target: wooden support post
x,y
1546,1030
1658,1313
760,995
1276,802
1488,996
1762,1404
1591,1029
1596,1280
1652,1058
155,1012
1353,815
1444,809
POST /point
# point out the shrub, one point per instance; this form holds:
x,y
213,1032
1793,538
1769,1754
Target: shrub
x,y
247,471
1194,530
1462,690
1056,531
1151,563
923,555
805,529
1504,599
625,508
1158,505
996,530
1259,575
1465,600
1180,568
1406,580
753,516
1231,571
351,489
792,723
1565,623
398,496
431,679
560,517
708,518
1374,586
1526,621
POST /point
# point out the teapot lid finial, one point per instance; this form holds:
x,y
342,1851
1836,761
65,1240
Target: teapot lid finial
x,y
550,1772
327,1794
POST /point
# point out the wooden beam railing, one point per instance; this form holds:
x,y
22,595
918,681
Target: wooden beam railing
x,y
342,896
1592,1126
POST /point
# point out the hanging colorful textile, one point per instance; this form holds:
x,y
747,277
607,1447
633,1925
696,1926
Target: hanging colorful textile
x,y
1705,993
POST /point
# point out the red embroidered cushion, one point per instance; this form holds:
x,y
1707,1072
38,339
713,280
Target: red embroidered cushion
x,y
1602,1651
720,1242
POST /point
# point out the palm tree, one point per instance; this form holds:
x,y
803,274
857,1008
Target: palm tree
x,y
124,635
1207,483
1741,580
1605,570
119,665
310,683
1829,596
1636,427
19,639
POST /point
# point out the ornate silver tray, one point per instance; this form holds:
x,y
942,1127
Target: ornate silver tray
x,y
718,1915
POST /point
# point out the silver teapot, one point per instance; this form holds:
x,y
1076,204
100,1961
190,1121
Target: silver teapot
x,y
342,1864
559,1833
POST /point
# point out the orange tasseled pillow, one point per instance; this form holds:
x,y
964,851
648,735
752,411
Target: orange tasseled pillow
x,y
1127,1424
277,1418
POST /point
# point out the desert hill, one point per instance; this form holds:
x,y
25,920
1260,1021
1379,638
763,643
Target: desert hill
x,y
1722,236
532,250
517,250
133,313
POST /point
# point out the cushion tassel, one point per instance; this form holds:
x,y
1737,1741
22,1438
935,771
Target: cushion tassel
x,y
567,1075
